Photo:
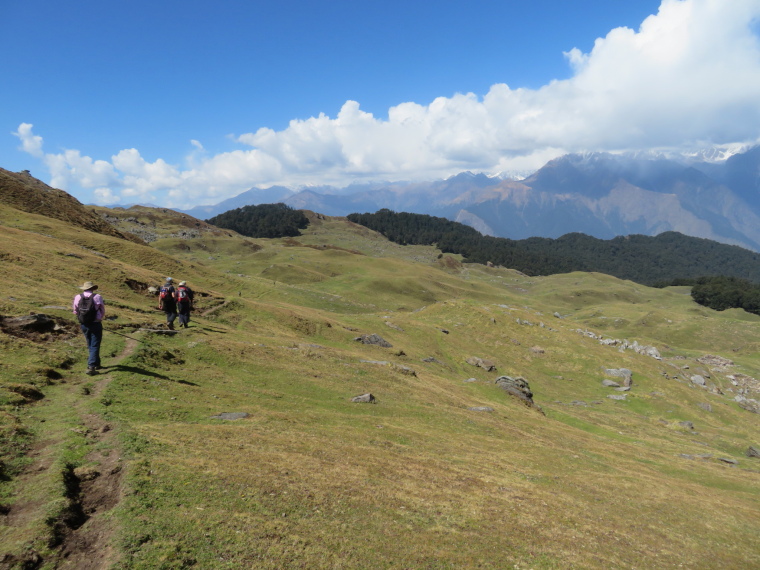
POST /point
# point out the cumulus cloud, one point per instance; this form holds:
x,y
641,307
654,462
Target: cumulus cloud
x,y
29,143
690,75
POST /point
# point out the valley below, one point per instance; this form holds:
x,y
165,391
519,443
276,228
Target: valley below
x,y
342,401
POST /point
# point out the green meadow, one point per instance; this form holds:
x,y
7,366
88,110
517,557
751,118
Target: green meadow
x,y
444,470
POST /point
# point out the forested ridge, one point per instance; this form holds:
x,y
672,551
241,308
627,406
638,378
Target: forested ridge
x,y
263,221
643,259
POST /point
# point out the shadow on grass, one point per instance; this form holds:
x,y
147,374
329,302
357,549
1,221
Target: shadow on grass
x,y
143,372
210,329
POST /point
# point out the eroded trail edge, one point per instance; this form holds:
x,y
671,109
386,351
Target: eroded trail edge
x,y
80,536
96,489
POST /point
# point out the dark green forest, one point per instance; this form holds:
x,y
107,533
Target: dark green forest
x,y
722,293
643,259
263,221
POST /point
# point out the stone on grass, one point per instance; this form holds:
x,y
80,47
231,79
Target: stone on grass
x,y
34,322
374,339
487,365
481,409
623,373
519,388
617,396
687,425
753,451
230,416
698,380
728,460
364,399
610,384
471,380
705,406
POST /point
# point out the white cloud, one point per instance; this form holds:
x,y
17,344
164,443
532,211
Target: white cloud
x,y
689,75
29,142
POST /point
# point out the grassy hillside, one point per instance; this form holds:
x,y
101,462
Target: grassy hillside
x,y
133,468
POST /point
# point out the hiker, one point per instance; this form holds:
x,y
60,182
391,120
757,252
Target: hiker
x,y
90,309
184,296
167,302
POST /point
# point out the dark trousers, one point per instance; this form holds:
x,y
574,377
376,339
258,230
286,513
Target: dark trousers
x,y
93,334
171,313
184,313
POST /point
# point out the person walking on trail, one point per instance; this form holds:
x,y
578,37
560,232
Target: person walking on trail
x,y
90,309
185,298
167,302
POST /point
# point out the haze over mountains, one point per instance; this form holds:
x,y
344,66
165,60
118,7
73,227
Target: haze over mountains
x,y
710,194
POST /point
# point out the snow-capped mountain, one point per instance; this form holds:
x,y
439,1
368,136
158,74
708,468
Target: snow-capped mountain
x,y
714,194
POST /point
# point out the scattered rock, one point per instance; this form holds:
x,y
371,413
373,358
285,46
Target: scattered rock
x,y
364,399
395,327
537,350
444,331
231,416
404,370
481,409
471,380
623,389
748,404
617,396
705,406
610,384
432,359
517,387
728,460
712,360
487,365
753,451
35,322
373,339
623,373
698,380
687,425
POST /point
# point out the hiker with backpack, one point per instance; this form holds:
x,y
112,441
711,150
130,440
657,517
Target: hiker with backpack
x,y
167,302
90,309
184,298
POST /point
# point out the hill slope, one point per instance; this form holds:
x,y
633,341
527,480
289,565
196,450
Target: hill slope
x,y
445,469
26,193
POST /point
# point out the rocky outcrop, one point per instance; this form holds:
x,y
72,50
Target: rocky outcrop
x,y
519,388
364,399
623,373
487,365
373,339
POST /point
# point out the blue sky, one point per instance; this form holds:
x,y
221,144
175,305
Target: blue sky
x,y
185,103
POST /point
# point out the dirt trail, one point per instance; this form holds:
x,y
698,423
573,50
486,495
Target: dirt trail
x,y
84,534
88,546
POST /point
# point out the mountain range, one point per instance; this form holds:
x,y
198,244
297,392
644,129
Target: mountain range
x,y
603,195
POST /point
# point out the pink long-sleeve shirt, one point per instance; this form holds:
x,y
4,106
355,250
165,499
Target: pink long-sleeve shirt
x,y
100,306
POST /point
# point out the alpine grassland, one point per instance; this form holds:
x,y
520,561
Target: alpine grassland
x,y
235,443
